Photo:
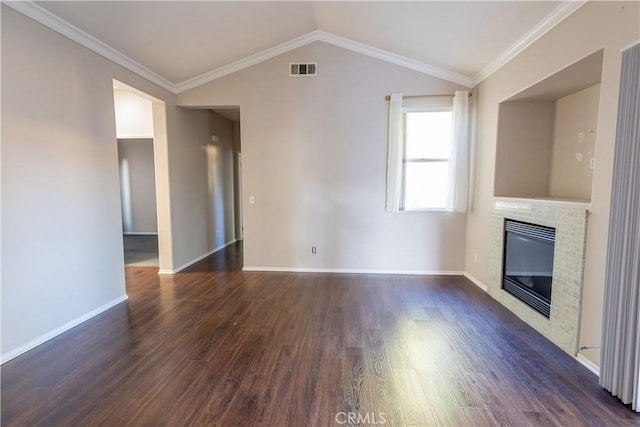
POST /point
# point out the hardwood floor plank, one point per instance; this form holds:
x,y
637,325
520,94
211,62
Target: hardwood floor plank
x,y
329,393
245,405
354,336
540,419
381,381
477,417
278,390
498,403
357,395
438,392
217,346
336,343
415,407
368,310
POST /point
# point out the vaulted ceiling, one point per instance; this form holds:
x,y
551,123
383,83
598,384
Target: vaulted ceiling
x,y
180,41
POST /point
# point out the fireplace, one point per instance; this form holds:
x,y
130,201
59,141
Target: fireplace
x,y
567,239
527,271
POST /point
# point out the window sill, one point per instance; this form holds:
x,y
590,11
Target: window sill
x,y
425,210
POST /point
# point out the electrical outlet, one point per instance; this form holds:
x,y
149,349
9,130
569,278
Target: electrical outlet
x,y
592,163
252,200
475,257
314,250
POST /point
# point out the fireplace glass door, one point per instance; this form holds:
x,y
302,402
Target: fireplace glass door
x,y
528,263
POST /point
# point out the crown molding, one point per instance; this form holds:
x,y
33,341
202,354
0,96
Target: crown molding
x,y
396,59
557,15
248,61
319,35
630,45
59,25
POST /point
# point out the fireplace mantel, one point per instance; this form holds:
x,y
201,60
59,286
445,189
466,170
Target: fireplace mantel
x,y
547,201
569,218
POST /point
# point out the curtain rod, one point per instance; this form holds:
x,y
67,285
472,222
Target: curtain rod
x,y
388,97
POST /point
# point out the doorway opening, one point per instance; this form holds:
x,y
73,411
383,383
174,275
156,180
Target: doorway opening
x,y
138,201
141,140
224,183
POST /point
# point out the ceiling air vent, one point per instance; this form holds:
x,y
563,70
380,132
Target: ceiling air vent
x,y
303,68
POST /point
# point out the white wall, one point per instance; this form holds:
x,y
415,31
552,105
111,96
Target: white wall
x,y
574,144
138,185
62,257
314,156
608,25
524,147
188,181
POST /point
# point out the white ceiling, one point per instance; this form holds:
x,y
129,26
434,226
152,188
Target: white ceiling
x,y
181,40
456,35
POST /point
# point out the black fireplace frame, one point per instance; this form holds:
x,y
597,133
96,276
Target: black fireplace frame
x,y
543,233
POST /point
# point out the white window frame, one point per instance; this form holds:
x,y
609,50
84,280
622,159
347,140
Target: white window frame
x,y
423,109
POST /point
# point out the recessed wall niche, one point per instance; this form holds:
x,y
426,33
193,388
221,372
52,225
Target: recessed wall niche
x,y
547,135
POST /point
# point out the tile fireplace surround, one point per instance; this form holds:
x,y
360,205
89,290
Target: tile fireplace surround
x,y
570,221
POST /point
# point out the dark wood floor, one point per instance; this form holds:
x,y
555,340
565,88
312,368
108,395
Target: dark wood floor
x,y
216,346
141,250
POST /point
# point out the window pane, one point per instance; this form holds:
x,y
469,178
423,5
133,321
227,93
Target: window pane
x,y
428,135
426,185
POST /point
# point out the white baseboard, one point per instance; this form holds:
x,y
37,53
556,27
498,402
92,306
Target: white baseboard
x,y
200,258
352,271
476,282
588,364
52,334
141,233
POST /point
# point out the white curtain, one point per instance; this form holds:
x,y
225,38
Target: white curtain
x,y
459,158
620,352
395,154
